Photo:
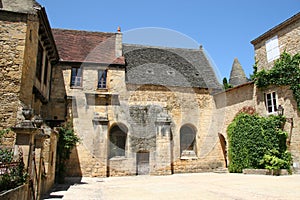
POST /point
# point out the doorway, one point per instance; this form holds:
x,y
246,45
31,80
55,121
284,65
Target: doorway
x,y
142,163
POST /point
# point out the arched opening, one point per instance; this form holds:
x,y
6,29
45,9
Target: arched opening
x,y
224,147
187,140
117,138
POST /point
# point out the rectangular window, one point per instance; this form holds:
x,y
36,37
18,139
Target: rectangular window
x,y
46,70
76,77
272,49
271,102
39,62
102,75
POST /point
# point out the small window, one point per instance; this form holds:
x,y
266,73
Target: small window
x,y
272,49
187,139
117,138
76,77
271,102
39,62
102,74
46,70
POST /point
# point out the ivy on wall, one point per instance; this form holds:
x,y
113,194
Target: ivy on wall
x,y
286,71
257,142
66,142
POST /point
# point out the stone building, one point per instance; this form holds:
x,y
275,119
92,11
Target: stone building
x,y
138,109
284,37
27,54
268,47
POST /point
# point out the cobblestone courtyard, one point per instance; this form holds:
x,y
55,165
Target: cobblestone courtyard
x,y
182,186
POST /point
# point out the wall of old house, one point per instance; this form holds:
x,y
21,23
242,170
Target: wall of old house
x,y
288,39
184,106
229,103
12,47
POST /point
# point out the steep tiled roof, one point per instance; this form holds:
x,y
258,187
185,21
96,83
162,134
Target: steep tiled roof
x,y
169,67
85,46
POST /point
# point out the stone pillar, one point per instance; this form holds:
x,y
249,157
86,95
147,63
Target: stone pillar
x,y
163,146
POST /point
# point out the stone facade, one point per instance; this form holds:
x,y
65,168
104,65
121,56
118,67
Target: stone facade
x,y
152,115
248,95
27,53
13,36
288,35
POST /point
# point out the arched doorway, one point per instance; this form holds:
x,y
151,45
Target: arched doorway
x,y
117,138
187,140
224,147
142,163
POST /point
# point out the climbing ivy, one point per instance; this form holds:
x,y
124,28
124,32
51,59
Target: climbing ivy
x,y
286,71
66,142
257,142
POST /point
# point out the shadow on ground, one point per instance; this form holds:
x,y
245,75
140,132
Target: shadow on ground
x,y
58,188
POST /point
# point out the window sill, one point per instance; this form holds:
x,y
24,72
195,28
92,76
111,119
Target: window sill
x,y
76,87
188,158
118,158
102,89
188,155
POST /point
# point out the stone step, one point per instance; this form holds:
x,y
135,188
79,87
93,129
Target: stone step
x,y
221,170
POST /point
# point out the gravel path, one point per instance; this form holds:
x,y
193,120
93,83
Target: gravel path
x,y
182,186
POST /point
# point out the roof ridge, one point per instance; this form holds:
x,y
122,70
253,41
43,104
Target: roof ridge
x,y
161,47
85,31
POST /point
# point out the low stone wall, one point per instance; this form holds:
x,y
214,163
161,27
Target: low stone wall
x,y
265,172
20,193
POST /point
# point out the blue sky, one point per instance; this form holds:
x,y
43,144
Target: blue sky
x,y
224,28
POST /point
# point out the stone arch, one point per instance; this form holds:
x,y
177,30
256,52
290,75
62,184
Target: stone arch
x,y
188,139
117,140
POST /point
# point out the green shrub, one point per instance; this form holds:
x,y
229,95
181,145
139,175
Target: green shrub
x,y
66,142
257,142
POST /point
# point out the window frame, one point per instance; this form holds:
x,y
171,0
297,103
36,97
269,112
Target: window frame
x,y
118,142
102,84
271,102
272,49
78,75
187,136
39,62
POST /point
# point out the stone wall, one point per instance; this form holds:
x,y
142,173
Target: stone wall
x,y
49,158
12,47
232,101
288,39
125,105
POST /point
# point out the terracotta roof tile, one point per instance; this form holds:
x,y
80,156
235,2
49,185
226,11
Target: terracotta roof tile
x,y
85,46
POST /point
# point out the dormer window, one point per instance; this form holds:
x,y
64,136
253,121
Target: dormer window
x,y
272,49
102,75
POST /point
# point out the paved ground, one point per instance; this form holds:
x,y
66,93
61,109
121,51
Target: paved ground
x,y
182,186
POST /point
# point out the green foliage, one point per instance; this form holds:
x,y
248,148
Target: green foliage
x,y
273,160
254,139
15,175
286,71
66,142
226,85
